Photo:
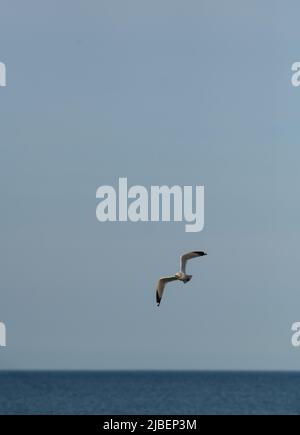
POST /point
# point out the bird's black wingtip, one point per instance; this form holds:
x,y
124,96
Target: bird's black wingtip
x,y
158,299
200,253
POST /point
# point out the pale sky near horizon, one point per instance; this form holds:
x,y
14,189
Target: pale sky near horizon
x,y
160,92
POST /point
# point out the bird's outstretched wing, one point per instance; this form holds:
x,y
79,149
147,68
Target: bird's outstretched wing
x,y
161,285
185,257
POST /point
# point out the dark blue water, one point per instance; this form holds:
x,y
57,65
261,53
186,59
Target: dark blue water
x,y
168,393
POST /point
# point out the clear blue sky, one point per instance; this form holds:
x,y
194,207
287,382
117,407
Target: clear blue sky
x,y
161,92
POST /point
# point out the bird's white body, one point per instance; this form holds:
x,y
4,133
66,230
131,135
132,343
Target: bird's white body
x,y
183,277
179,276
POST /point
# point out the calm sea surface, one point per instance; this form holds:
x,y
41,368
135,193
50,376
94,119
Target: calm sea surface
x,y
149,393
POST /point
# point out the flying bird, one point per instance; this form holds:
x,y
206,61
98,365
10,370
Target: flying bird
x,y
179,276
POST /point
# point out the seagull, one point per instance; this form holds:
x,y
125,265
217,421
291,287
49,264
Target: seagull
x,y
179,276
